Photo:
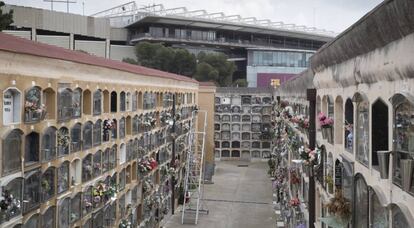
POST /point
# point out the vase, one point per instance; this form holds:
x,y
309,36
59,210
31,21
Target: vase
x,y
28,116
324,132
407,166
384,162
43,115
329,134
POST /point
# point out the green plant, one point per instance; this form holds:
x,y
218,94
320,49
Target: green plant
x,y
329,179
339,206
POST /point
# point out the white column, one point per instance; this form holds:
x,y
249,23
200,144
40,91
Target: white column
x,y
108,46
71,41
33,34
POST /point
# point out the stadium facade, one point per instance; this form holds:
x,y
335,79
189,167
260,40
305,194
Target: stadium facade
x,y
266,53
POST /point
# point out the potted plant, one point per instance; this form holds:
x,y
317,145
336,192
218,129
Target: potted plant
x,y
326,124
339,207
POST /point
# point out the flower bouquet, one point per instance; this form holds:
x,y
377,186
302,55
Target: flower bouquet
x,y
63,139
294,179
339,206
9,203
326,124
108,125
294,202
166,118
34,110
125,224
144,166
309,156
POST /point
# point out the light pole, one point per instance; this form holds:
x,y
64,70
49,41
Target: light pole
x,y
311,97
172,163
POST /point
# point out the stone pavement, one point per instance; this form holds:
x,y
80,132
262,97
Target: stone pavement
x,y
241,197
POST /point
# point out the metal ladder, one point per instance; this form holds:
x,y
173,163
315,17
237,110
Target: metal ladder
x,y
193,185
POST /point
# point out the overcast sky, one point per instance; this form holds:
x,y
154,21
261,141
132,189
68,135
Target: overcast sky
x,y
334,15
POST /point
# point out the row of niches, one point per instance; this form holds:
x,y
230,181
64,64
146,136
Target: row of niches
x,y
102,200
54,143
24,195
366,130
254,127
226,135
69,104
244,154
243,144
226,108
243,118
242,100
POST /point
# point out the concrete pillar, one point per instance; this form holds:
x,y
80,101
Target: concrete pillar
x,y
206,102
108,47
33,34
71,41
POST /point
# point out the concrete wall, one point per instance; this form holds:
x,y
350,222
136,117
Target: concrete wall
x,y
28,17
97,48
21,72
390,21
60,41
379,75
119,52
206,102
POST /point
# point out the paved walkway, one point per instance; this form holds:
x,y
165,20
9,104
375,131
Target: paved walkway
x,y
241,197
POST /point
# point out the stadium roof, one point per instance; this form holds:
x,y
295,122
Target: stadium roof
x,y
129,15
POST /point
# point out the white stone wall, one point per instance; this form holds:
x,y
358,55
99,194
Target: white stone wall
x,y
379,74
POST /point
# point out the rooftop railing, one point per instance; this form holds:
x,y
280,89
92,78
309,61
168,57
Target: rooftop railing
x,y
224,41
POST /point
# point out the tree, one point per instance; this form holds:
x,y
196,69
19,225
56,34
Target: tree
x,y
210,66
5,18
184,62
205,73
146,53
163,59
219,62
174,60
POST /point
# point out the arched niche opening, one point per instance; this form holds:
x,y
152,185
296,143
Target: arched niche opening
x,y
76,172
32,147
97,102
114,101
65,108
49,101
106,101
122,101
379,130
49,144
362,128
87,102
11,106
339,120
349,126
361,202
